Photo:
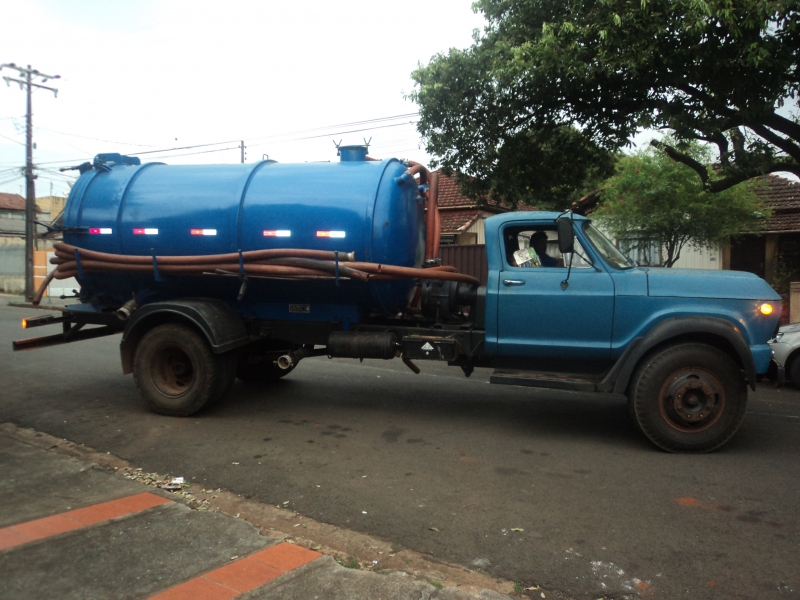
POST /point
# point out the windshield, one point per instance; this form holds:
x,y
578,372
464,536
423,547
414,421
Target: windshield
x,y
607,250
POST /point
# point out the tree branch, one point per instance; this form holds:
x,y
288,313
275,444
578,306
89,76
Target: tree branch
x,y
687,160
735,178
787,146
784,125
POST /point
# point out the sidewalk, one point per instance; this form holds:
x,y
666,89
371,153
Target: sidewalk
x,y
73,529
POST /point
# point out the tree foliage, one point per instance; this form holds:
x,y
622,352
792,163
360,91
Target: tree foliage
x,y
550,88
653,198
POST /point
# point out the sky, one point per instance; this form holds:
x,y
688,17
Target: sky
x,y
288,78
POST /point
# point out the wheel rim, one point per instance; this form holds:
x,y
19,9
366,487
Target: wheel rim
x,y
692,400
172,372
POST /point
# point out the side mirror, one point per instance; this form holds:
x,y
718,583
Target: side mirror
x,y
566,235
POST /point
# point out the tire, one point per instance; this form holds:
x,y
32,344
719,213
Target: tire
x,y
688,398
177,373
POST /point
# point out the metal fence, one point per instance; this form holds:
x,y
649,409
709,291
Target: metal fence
x,y
467,259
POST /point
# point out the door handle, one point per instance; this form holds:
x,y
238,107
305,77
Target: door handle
x,y
513,282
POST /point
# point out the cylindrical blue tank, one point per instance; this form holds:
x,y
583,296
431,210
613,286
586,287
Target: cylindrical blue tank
x,y
351,206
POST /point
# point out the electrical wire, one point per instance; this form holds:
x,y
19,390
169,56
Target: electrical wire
x,y
95,139
332,133
12,140
201,152
311,137
354,123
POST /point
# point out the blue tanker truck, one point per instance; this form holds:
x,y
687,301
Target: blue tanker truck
x,y
218,272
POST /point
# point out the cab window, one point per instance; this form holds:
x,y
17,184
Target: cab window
x,y
527,247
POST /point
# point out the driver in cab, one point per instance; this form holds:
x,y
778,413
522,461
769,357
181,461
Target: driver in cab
x,y
536,255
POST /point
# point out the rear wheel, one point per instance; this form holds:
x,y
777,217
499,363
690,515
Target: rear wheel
x,y
177,373
688,398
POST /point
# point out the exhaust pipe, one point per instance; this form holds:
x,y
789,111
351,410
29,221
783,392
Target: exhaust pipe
x,y
125,311
290,360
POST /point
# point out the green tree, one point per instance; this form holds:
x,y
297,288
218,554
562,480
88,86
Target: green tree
x,y
550,88
654,199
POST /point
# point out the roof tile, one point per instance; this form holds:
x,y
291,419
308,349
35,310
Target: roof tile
x,y
782,196
11,201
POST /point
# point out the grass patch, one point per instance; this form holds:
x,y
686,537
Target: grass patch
x,y
435,584
350,563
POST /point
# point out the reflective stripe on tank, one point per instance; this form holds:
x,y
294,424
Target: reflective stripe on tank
x,y
277,233
145,231
204,232
330,234
100,230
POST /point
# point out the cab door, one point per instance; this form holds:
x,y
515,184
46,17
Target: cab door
x,y
538,316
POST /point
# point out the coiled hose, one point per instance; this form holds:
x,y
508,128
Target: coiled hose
x,y
288,263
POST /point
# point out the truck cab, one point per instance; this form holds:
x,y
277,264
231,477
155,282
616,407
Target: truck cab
x,y
684,342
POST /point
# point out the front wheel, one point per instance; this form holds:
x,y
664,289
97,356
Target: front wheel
x,y
177,373
688,398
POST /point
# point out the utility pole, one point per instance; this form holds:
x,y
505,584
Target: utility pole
x,y
241,147
28,74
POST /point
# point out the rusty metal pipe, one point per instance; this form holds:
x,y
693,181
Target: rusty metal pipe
x,y
99,266
415,167
37,297
68,251
413,272
432,219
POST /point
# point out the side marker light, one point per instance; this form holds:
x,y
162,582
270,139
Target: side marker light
x,y
766,309
24,323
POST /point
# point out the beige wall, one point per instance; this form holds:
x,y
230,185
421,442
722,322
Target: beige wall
x,y
706,258
51,204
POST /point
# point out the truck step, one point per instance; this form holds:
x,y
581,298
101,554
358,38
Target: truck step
x,y
539,379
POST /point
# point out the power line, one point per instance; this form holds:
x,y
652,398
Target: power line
x,y
201,152
311,137
332,133
95,139
183,148
12,140
354,123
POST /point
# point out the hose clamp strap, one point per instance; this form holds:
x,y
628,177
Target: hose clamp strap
x,y
156,274
78,263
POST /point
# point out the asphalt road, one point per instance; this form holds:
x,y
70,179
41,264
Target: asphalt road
x,y
377,449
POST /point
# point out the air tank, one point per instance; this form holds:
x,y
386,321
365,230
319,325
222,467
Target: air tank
x,y
354,205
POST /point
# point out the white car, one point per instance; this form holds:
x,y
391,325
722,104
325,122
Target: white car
x,y
786,350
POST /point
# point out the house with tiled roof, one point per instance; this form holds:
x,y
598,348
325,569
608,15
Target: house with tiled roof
x,y
462,231
461,218
777,246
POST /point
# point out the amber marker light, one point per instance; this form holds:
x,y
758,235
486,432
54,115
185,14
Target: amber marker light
x,y
24,323
766,309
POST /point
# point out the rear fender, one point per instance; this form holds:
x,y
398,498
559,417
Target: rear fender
x,y
214,319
